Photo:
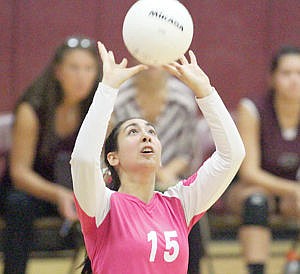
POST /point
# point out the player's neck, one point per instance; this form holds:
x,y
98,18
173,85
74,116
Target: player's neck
x,y
139,185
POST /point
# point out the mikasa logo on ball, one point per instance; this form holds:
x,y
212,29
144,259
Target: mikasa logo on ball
x,y
166,18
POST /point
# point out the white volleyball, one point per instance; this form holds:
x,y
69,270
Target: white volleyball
x,y
157,32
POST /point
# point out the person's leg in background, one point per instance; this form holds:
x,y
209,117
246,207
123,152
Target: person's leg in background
x,y
254,234
19,216
20,212
253,205
196,250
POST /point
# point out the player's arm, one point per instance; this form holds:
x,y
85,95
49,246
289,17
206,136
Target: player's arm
x,y
89,187
200,192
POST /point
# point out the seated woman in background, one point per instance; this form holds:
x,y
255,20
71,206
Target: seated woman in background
x,y
47,121
270,128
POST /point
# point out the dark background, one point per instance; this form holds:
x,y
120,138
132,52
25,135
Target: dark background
x,y
233,40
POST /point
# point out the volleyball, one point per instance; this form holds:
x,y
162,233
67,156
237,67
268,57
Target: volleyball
x,y
157,32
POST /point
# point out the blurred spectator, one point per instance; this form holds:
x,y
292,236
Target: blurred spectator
x,y
47,119
269,176
159,98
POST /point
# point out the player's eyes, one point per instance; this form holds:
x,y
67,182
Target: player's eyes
x,y
152,131
132,131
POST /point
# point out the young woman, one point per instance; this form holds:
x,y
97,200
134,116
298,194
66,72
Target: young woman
x,y
270,127
135,229
170,106
47,121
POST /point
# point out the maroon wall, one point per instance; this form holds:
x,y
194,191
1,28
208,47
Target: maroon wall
x,y
233,39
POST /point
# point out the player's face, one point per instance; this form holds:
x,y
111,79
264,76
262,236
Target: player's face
x,y
139,146
77,74
286,78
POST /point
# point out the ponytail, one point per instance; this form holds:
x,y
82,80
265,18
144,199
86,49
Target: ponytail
x,y
87,266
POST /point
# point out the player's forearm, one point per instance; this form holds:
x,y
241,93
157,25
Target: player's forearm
x,y
88,184
226,137
92,133
220,169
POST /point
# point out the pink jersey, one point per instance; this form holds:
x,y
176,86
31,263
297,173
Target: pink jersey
x,y
122,233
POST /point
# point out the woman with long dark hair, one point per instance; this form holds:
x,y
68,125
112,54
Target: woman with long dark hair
x,y
136,229
47,118
269,177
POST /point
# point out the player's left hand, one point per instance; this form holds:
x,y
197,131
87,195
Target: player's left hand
x,y
191,74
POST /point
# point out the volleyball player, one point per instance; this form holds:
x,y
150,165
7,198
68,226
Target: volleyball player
x,y
135,229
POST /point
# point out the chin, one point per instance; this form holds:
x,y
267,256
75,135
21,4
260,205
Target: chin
x,y
149,164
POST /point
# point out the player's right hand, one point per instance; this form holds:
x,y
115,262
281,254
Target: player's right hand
x,y
115,74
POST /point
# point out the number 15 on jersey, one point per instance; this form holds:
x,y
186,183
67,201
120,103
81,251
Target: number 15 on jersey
x,y
171,246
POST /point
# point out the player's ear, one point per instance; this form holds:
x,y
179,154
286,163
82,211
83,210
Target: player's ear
x,y
112,158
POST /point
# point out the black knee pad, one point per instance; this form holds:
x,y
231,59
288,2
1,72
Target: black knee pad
x,y
256,210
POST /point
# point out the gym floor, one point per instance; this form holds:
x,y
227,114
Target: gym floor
x,y
226,259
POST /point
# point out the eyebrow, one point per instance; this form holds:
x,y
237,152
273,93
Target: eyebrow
x,y
136,125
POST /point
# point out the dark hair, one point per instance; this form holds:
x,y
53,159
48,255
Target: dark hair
x,y
87,266
111,145
285,50
45,93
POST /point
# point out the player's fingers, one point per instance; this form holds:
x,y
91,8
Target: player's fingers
x,y
193,57
172,69
124,63
135,69
102,51
111,55
183,60
175,65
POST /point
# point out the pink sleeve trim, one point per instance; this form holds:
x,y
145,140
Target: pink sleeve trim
x,y
87,223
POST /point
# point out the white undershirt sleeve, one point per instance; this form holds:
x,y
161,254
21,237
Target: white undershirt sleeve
x,y
214,176
88,183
